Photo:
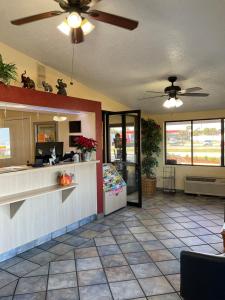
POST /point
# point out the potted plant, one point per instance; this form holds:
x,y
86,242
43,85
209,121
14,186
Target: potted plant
x,y
86,146
7,72
151,138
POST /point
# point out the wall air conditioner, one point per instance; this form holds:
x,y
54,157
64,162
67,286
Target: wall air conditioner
x,y
211,186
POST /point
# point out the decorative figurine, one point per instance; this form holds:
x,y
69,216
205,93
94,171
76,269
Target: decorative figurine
x,y
27,82
52,160
47,87
61,87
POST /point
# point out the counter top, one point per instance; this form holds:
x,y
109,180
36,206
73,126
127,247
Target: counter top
x,y
24,169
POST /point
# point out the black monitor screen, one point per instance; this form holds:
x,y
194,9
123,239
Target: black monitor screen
x,y
44,150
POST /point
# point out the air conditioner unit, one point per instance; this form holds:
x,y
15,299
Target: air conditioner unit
x,y
211,186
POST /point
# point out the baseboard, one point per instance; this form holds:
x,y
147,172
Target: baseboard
x,y
13,252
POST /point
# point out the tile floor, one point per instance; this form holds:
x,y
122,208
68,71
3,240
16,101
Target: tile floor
x,y
131,254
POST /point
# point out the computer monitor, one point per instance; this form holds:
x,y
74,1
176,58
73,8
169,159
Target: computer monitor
x,y
44,150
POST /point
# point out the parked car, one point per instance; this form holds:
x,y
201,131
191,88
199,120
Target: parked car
x,y
208,143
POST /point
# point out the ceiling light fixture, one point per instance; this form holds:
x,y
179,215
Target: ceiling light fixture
x,y
179,103
64,27
59,118
172,103
74,20
86,26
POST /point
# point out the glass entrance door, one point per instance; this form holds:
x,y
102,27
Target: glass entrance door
x,y
122,148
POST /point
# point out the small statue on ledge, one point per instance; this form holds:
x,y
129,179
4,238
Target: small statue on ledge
x,y
61,87
27,82
47,87
52,159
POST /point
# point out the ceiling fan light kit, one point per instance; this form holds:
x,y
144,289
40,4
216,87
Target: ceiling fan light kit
x,y
86,26
172,103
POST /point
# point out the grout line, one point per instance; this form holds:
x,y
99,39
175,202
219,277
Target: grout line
x,y
104,270
15,288
75,262
46,291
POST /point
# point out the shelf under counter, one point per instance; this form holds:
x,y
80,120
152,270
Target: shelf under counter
x,y
16,200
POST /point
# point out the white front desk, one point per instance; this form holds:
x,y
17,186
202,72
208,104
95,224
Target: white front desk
x,y
33,209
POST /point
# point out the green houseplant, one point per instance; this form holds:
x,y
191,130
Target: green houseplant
x,y
7,72
151,139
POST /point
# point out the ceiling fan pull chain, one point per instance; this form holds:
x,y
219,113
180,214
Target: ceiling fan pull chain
x,y
72,69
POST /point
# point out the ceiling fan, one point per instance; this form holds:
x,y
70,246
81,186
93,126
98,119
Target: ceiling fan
x,y
173,92
77,24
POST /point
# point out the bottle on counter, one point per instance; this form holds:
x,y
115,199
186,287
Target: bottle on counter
x,y
76,157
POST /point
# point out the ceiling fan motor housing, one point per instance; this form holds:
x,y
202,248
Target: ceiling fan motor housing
x,y
75,6
172,90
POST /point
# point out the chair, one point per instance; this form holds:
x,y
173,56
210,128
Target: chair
x,y
202,276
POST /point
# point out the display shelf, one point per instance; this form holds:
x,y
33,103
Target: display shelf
x,y
16,200
115,189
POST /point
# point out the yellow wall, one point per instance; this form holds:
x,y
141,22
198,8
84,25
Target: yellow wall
x,y
25,62
182,171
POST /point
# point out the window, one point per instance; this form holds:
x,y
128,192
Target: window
x,y
195,142
5,143
207,142
178,142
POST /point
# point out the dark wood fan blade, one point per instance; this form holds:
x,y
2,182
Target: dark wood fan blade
x,y
38,17
77,35
146,98
190,90
113,19
154,92
196,94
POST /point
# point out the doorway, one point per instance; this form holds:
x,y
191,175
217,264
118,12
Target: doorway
x,y
122,148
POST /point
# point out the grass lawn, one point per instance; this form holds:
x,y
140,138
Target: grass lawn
x,y
199,149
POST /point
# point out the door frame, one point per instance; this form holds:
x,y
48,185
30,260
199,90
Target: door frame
x,y
106,139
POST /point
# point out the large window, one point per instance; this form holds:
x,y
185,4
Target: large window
x,y
178,142
207,142
195,142
4,143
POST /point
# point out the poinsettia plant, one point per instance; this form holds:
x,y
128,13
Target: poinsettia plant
x,y
85,144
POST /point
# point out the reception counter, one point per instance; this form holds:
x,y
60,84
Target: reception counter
x,y
34,209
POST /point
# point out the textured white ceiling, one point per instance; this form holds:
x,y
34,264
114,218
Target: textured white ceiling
x,y
174,37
